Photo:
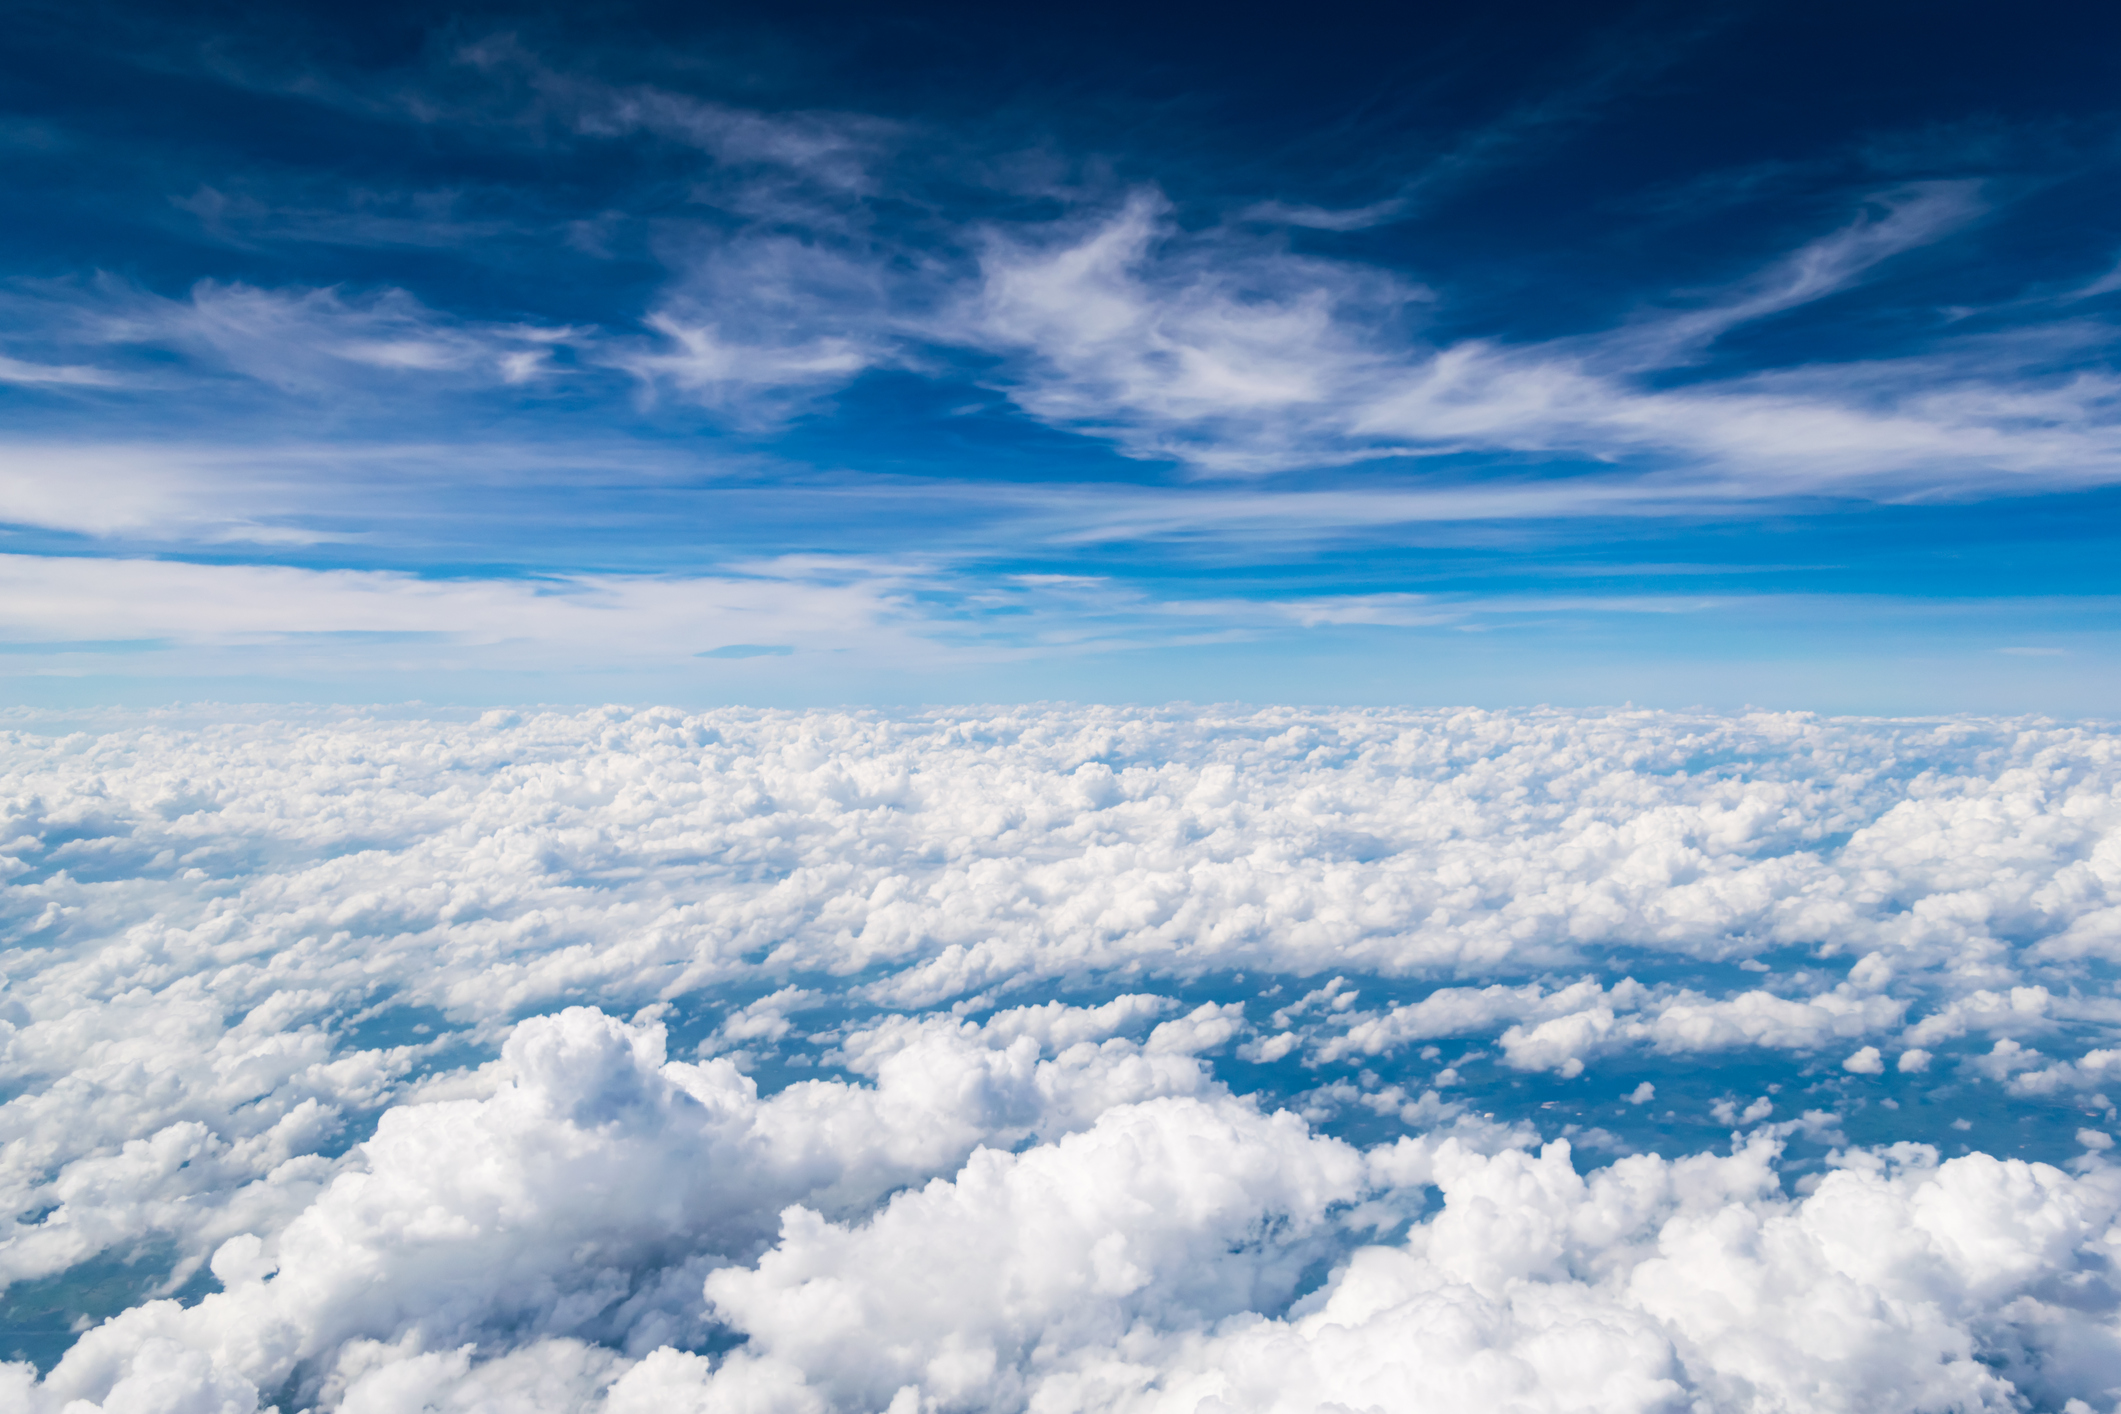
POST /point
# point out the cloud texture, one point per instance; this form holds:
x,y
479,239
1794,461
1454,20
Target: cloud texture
x,y
1060,1059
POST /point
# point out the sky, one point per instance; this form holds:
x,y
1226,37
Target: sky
x,y
814,354
1545,833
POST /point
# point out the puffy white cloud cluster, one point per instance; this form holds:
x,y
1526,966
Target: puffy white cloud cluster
x,y
548,1246
260,966
1108,1267
594,1185
540,1248
1563,1028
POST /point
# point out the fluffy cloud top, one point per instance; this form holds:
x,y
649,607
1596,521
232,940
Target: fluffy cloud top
x,y
1059,1059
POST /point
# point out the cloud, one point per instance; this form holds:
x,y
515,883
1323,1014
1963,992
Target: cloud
x,y
297,491
639,1175
877,613
1643,1285
295,1003
747,650
1564,1028
699,359
238,610
1149,1261
836,150
1686,1023
1354,218
1432,858
1235,357
1864,1062
109,490
298,341
1898,222
1169,1213
71,375
1191,349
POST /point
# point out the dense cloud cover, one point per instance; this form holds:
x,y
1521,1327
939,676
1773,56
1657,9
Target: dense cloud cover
x,y
1060,1059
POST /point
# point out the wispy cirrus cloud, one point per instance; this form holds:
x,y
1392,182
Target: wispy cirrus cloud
x,y
306,340
303,341
830,614
230,618
1241,359
756,325
807,249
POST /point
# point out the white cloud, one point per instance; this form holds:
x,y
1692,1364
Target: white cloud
x,y
240,611
1866,1061
1223,355
838,150
1235,357
206,907
1174,1212
1464,1011
1898,221
106,490
72,375
766,1019
1564,1028
311,341
2027,1076
1115,1269
589,1191
705,363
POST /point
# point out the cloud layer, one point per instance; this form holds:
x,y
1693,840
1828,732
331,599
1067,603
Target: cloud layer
x,y
1106,1058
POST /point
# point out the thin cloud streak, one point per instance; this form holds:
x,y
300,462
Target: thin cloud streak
x,y
834,616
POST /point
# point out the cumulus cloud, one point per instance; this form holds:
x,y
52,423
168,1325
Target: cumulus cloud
x,y
1687,1022
1127,1058
1150,1262
590,1190
1866,1061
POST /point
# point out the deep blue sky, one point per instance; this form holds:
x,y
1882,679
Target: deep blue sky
x,y
1576,353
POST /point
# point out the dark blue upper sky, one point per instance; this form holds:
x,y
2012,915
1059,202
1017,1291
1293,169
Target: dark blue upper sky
x,y
1414,353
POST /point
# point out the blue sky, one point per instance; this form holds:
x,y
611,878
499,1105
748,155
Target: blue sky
x,y
1577,354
